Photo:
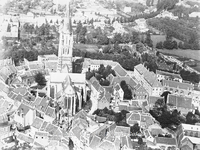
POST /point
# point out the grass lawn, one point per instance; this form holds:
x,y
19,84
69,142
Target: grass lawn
x,y
86,47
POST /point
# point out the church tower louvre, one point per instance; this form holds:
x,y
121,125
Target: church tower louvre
x,y
65,51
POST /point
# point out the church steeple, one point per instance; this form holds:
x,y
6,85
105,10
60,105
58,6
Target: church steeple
x,y
65,42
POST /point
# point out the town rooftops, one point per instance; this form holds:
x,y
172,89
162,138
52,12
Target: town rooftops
x,y
37,123
23,108
88,62
175,84
126,141
119,70
50,112
43,105
120,130
168,74
95,142
140,68
165,141
24,137
49,57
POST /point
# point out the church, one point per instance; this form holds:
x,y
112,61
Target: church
x,y
64,86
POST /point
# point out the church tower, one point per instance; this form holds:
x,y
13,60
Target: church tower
x,y
65,43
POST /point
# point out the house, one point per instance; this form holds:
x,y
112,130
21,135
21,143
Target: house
x,y
181,103
188,134
100,97
24,115
94,64
148,80
118,94
36,125
165,142
143,119
42,138
162,75
122,131
177,87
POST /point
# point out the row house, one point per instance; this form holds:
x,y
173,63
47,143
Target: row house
x,y
162,75
100,96
143,119
177,87
188,137
148,80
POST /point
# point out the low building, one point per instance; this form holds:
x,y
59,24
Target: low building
x,y
188,137
162,75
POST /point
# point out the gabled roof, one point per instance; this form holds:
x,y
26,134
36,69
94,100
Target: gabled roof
x,y
96,85
95,142
43,105
126,141
166,141
24,108
50,112
140,68
175,84
20,90
119,70
122,129
37,123
50,128
77,131
44,125
107,145
24,137
173,75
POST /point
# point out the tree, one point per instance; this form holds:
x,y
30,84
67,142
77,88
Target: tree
x,y
159,45
40,79
127,91
135,128
102,39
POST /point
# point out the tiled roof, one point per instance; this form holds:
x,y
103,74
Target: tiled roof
x,y
168,74
24,108
117,87
24,137
52,65
37,123
20,90
42,133
96,85
37,101
107,145
43,105
77,131
95,142
165,141
51,128
176,84
119,70
87,62
50,112
44,125
140,68
34,65
122,130
180,101
126,141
